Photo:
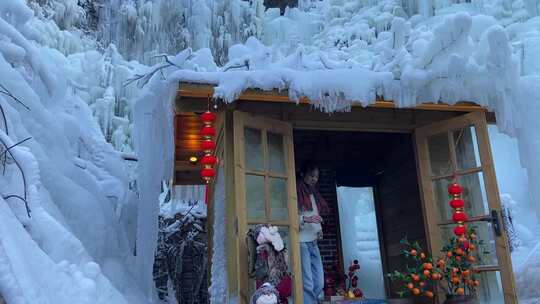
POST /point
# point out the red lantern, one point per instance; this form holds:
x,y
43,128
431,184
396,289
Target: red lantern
x,y
208,117
460,230
459,216
208,145
208,173
209,160
455,189
457,203
208,131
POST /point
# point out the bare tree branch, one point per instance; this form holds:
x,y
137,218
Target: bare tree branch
x,y
6,92
14,145
20,169
4,119
238,66
143,79
28,211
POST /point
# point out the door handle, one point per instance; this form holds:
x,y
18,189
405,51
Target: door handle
x,y
495,221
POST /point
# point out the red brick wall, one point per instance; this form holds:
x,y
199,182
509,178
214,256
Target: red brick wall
x,y
330,246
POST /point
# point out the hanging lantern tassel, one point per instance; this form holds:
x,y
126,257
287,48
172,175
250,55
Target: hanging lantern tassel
x,y
206,194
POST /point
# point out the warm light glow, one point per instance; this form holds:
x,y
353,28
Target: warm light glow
x,y
193,159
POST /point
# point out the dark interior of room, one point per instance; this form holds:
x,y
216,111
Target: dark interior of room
x,y
384,161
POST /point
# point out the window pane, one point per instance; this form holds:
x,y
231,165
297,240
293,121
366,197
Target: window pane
x,y
278,199
490,289
467,154
254,149
255,197
439,154
276,153
474,195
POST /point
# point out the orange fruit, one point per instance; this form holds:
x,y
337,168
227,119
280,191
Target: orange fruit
x,y
415,277
427,273
422,256
460,291
459,251
466,273
410,285
471,259
455,280
428,266
429,294
413,252
416,291
476,283
422,284
449,254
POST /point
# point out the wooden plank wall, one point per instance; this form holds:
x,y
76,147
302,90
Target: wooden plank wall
x,y
399,206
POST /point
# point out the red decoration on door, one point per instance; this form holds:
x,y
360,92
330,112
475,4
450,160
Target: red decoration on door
x,y
208,145
458,216
455,189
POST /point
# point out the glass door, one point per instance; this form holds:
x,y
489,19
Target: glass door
x,y
458,150
265,190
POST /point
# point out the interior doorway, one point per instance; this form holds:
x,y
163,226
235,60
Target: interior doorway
x,y
383,164
360,238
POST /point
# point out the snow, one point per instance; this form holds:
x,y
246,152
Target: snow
x,y
73,181
219,280
154,143
67,62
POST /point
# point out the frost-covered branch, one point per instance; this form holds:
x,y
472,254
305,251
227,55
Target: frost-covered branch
x,y
4,119
14,145
5,91
244,64
20,198
176,61
5,154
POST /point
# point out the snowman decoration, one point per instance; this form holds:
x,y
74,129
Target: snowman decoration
x,y
268,265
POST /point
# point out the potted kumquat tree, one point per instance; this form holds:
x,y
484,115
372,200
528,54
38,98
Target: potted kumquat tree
x,y
453,272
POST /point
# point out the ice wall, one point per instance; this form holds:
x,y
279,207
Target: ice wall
x,y
144,29
75,247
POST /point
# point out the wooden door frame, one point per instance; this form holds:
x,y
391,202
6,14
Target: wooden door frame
x,y
233,186
478,120
240,121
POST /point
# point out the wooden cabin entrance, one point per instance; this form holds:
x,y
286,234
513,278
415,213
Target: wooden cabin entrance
x,y
384,163
258,144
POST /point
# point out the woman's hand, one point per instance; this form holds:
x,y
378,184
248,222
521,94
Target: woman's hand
x,y
313,219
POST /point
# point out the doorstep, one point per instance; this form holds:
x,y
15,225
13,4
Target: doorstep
x,y
342,300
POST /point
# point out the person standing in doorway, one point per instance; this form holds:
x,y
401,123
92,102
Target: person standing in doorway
x,y
310,205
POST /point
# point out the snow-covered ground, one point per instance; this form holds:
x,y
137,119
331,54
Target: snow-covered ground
x,y
63,71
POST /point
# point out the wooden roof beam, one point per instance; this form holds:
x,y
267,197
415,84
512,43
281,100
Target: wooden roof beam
x,y
195,91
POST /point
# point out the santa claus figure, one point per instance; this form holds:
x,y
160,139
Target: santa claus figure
x,y
266,294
